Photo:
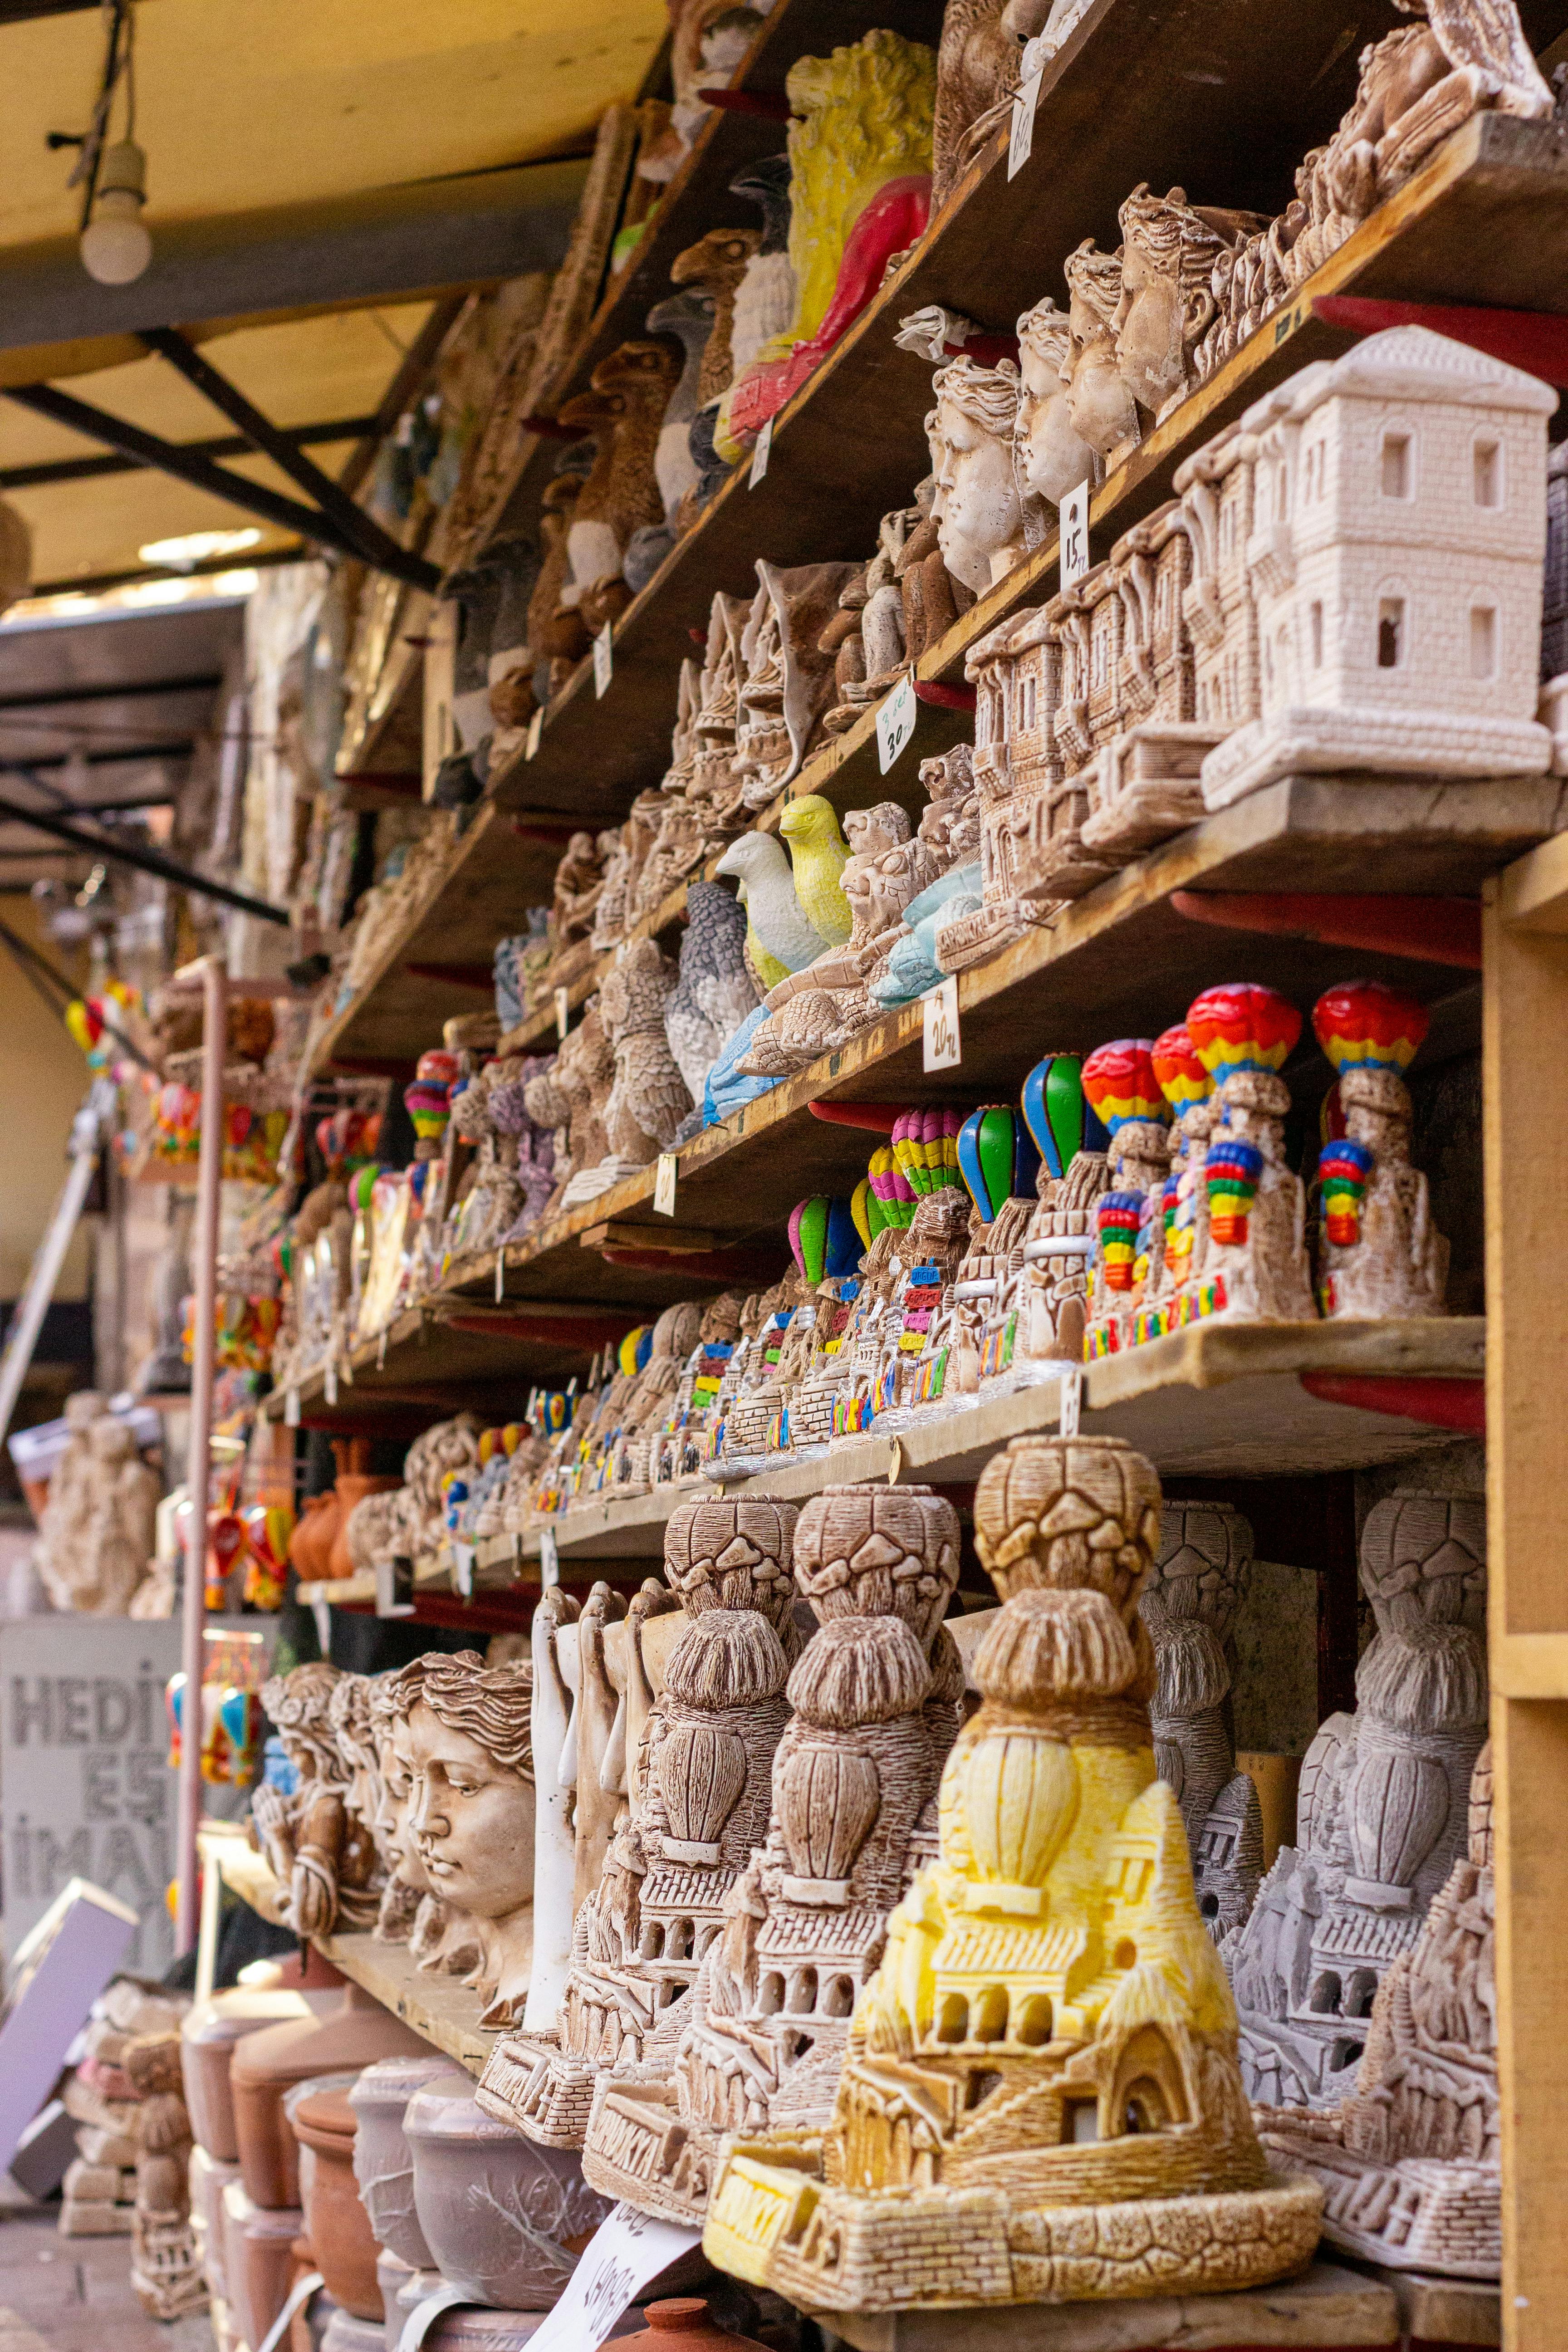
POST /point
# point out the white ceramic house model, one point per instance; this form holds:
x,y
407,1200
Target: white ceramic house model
x,y
1399,527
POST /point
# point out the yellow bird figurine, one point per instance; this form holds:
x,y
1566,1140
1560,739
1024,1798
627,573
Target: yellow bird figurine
x,y
819,854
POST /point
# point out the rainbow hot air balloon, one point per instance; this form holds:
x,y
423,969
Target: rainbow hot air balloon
x,y
892,1195
428,1105
825,1238
1060,1121
1241,1026
1182,1076
1119,1216
1120,1084
1344,1171
1232,1171
1362,1025
996,1158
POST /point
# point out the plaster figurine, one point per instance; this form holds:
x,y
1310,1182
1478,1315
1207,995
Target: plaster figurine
x,y
165,2264
624,408
1255,1263
569,1098
715,266
713,782
1380,1254
644,1926
622,871
1180,1251
1037,1319
1040,2084
1050,456
780,937
1382,1811
649,1098
875,1697
317,1849
557,633
1100,406
1168,257
1120,1084
788,681
976,68
473,1814
688,316
979,518
1189,1605
97,1532
554,1842
715,992
1410,2158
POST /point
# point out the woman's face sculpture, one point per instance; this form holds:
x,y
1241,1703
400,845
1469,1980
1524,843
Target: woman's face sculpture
x,y
392,1821
977,499
1052,457
472,1820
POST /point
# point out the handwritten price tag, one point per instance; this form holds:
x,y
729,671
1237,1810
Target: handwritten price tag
x,y
1023,139
549,1558
291,1408
329,1382
624,2254
760,455
664,1185
1073,524
563,1011
944,1049
604,660
535,730
896,720
463,1569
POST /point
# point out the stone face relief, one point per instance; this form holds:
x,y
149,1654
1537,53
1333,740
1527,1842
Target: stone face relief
x,y
473,1812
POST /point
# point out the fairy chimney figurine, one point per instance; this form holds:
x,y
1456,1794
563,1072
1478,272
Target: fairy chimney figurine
x,y
1039,1320
1120,1084
1255,1267
1379,1251
1181,1240
1039,2099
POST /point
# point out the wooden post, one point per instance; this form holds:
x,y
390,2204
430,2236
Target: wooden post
x,y
1525,1080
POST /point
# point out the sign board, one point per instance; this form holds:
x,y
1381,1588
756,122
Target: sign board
x,y
85,1787
625,2252
896,720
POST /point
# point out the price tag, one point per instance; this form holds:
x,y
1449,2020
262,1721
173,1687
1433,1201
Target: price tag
x,y
291,1408
760,455
664,1185
500,1276
463,1568
1023,138
535,730
562,1012
1072,522
896,720
549,1558
381,1351
622,2254
944,1049
395,1587
604,660
329,1382
1070,1394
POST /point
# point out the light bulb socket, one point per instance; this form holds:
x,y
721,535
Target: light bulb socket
x,y
123,170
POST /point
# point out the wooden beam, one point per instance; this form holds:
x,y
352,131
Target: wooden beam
x,y
227,445
1532,893
1525,1116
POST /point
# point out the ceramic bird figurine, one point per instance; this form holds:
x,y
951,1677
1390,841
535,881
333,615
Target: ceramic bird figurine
x,y
647,1100
780,938
819,854
715,992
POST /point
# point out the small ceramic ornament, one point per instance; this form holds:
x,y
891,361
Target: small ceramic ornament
x,y
1254,1268
1039,2091
1181,1241
319,1849
1037,1320
1120,1084
624,408
1379,1251
979,517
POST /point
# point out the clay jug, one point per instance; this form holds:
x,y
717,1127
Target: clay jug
x,y
312,1540
335,2219
268,2064
351,1488
208,2038
682,2323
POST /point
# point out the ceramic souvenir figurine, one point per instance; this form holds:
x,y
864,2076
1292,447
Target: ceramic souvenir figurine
x,y
688,316
1101,408
1410,2158
1037,1321
1380,1254
1040,2085
980,521
1168,257
875,1697
779,936
624,409
1386,652
976,67
166,2266
98,1530
715,266
439,1938
1180,1251
642,1931
473,1812
570,1098
714,991
1198,1582
648,1099
1254,1265
1382,1811
788,681
624,870
316,1847
1121,1085
1051,458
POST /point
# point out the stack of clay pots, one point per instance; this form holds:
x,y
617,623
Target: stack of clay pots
x,y
98,2191
208,2039
319,1544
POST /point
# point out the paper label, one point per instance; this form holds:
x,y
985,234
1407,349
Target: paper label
x,y
562,1012
291,1408
395,1587
944,1049
500,1276
463,1568
664,1185
549,1558
535,730
896,720
1070,1396
424,2316
329,1382
1023,139
624,2254
760,455
604,660
1072,523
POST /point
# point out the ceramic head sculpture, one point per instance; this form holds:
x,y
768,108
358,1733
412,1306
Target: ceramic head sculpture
x,y
980,523
1040,2097
1051,456
1167,262
319,1850
473,1815
1101,408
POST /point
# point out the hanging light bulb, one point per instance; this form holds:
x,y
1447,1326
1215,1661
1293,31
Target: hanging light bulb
x,y
115,245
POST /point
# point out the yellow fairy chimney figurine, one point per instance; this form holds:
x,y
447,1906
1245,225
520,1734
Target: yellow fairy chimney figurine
x,y
1040,2099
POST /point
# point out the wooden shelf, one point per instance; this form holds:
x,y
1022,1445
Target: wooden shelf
x,y
390,739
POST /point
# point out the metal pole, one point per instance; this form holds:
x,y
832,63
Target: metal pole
x,y
214,1024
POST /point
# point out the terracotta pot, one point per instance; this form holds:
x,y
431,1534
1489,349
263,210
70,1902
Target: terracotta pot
x,y
209,2178
351,1488
465,2167
260,2261
314,1530
208,2038
338,2225
268,2064
683,2323
383,2163
471,2328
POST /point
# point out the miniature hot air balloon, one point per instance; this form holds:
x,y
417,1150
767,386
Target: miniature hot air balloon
x,y
1057,1114
267,1528
996,1158
1182,1076
892,1197
1241,1026
1344,1171
1119,1216
702,1771
825,1237
631,1355
226,1543
1118,1082
925,1148
830,1798
1363,1025
1231,1173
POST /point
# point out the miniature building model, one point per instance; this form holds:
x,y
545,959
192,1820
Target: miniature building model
x,y
1040,2099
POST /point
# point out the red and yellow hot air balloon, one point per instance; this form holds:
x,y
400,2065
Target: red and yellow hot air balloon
x,y
1182,1076
1362,1025
1242,1027
1120,1083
